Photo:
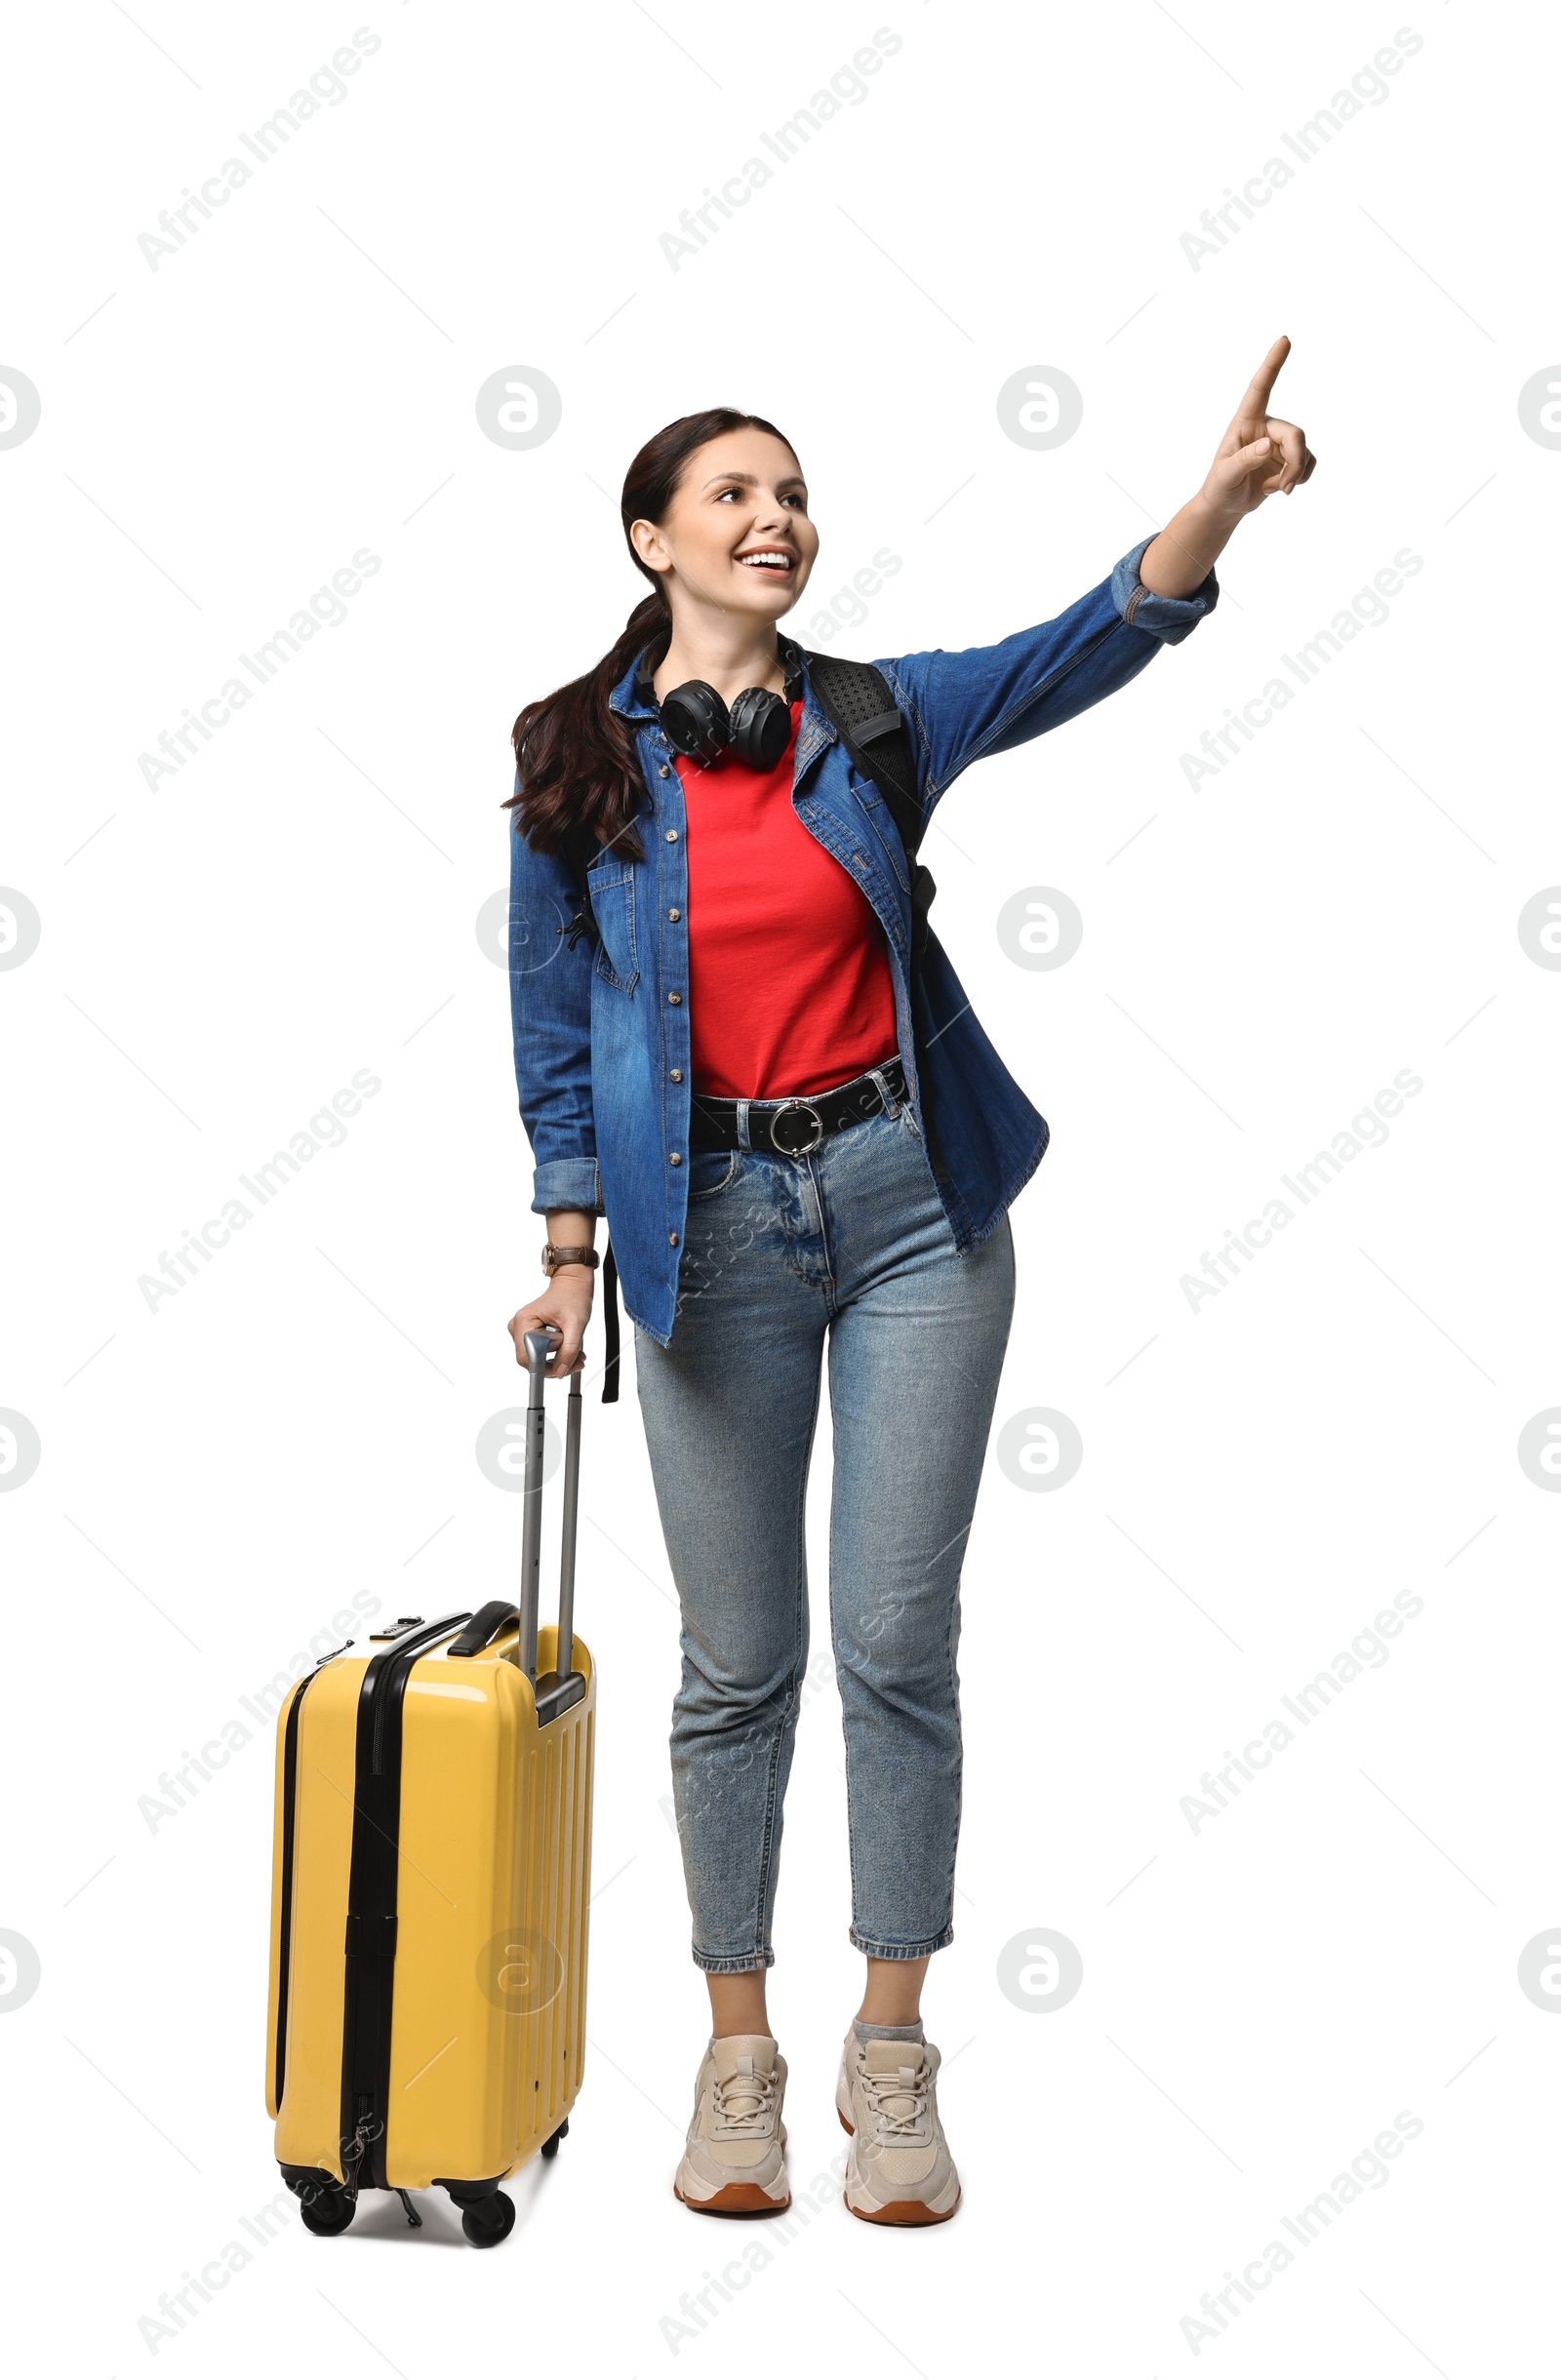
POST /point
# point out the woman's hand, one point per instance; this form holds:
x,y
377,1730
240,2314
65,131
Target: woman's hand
x,y
566,1303
1259,456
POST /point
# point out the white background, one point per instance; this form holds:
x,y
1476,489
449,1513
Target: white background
x,y
219,955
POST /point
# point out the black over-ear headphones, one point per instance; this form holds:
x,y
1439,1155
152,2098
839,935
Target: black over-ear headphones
x,y
696,722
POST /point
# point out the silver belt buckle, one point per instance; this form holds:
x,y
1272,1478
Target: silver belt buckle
x,y
808,1147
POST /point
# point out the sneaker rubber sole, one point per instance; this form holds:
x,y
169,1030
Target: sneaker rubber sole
x,y
735,2198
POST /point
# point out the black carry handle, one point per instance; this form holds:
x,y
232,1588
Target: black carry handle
x,y
481,1630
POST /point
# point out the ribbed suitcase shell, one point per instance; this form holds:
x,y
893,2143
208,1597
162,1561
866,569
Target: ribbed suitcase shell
x,y
488,2018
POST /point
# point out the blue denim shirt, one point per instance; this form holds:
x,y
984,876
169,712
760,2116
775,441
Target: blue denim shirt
x,y
601,1034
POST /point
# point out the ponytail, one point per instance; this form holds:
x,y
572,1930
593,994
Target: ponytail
x,y
579,783
579,779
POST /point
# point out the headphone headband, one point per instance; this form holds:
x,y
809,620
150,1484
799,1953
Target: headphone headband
x,y
645,670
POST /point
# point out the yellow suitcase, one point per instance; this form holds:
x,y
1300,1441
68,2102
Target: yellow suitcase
x,y
430,1887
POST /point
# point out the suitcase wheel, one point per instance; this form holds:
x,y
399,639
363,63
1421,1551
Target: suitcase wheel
x,y
328,2212
550,2146
489,2220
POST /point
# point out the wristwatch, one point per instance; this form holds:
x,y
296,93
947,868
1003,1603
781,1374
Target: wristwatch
x,y
554,1257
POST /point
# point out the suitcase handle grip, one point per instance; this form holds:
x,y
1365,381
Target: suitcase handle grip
x,y
538,1347
480,1630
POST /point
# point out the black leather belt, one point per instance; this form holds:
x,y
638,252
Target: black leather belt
x,y
795,1128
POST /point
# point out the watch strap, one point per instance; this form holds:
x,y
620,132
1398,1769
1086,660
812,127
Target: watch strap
x,y
554,1257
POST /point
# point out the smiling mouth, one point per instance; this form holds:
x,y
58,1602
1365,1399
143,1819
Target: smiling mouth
x,y
773,558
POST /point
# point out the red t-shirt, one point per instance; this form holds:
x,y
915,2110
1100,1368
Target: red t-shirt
x,y
789,989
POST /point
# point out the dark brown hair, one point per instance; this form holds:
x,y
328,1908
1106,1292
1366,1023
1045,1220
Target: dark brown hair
x,y
579,780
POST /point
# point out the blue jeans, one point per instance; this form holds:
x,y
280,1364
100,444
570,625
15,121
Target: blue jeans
x,y
850,1243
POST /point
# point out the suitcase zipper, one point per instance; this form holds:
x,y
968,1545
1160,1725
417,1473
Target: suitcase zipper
x,y
289,1782
371,1928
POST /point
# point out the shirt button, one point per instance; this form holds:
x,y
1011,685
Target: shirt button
x,y
672,1239
663,770
674,999
671,834
674,1159
674,915
677,1074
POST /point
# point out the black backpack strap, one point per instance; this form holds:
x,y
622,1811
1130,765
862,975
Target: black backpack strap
x,y
610,1323
856,698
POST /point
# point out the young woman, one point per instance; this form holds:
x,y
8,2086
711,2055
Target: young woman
x,y
799,1139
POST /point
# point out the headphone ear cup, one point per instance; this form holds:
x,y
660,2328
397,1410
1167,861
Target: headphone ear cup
x,y
696,721
760,726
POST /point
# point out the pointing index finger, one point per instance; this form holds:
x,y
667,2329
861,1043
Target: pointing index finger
x,y
1256,400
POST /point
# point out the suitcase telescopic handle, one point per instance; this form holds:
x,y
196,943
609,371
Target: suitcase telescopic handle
x,y
538,1347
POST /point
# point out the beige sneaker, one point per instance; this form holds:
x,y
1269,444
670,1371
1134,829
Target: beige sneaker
x,y
736,2159
900,2169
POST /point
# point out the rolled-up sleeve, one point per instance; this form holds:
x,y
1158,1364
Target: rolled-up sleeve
x,y
551,1011
1170,617
966,706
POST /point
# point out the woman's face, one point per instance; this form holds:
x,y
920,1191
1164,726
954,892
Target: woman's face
x,y
737,536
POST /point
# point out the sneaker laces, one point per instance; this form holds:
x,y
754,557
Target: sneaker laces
x,y
899,2109
743,2106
